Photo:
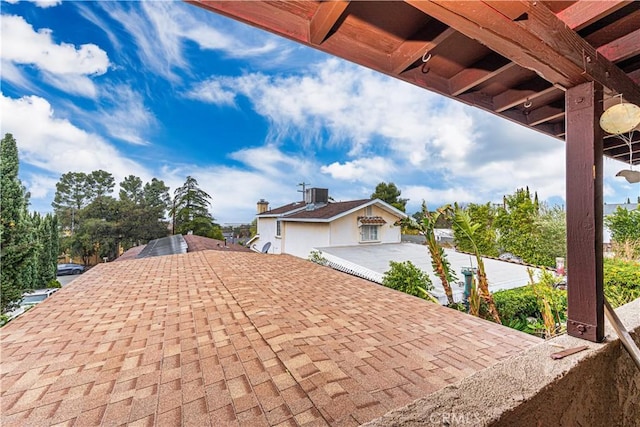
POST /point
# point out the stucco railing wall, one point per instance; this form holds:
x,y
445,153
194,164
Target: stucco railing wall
x,y
596,387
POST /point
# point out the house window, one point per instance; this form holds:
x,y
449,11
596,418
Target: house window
x,y
368,211
278,229
369,233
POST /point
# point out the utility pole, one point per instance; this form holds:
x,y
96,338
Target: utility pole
x,y
304,186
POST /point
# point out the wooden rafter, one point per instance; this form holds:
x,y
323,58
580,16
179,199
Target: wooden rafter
x,y
511,98
622,48
328,13
574,50
412,50
537,40
479,73
544,114
551,129
584,13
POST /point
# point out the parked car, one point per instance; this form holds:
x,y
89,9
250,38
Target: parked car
x,y
37,296
29,299
64,269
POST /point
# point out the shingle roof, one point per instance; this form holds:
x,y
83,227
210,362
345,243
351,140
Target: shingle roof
x,y
216,338
329,210
284,209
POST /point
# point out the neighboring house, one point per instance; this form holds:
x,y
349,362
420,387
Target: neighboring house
x,y
299,227
610,209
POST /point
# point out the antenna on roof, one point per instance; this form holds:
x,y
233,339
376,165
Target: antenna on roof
x,y
304,187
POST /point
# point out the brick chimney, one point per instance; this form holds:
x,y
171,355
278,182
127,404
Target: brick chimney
x,y
263,206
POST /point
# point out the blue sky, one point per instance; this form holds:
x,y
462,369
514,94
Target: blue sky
x,y
166,90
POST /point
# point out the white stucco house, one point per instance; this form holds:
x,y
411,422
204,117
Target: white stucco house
x,y
297,228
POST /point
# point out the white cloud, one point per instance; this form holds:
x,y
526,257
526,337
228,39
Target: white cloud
x,y
436,197
58,146
213,91
13,74
62,65
40,3
272,162
265,172
371,170
124,114
40,186
161,30
358,108
88,13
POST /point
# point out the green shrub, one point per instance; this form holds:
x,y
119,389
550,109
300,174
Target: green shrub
x,y
53,283
621,281
516,304
317,257
406,277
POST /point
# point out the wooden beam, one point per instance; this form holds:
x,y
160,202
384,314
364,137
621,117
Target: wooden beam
x,y
584,13
412,50
584,159
553,33
429,80
513,97
624,158
635,76
479,73
328,13
622,48
616,151
539,41
521,118
543,115
483,23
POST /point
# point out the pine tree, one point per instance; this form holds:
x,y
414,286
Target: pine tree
x,y
390,194
190,211
73,192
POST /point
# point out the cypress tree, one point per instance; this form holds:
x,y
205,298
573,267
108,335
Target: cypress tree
x,y
15,245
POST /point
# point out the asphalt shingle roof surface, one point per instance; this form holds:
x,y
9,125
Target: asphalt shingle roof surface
x,y
329,210
229,338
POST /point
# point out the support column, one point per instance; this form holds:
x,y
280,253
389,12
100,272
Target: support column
x,y
584,106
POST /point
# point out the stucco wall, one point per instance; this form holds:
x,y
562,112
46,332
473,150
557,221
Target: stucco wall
x,y
345,230
596,387
301,237
267,232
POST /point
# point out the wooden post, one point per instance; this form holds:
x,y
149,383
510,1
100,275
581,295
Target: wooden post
x,y
584,106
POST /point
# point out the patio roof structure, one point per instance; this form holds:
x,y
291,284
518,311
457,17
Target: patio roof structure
x,y
552,66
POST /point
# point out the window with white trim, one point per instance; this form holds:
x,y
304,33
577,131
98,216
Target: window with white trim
x,y
369,233
368,211
278,229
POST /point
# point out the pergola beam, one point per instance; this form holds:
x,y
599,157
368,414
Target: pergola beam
x,y
412,50
555,34
478,74
537,39
584,13
543,115
622,48
328,13
513,97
